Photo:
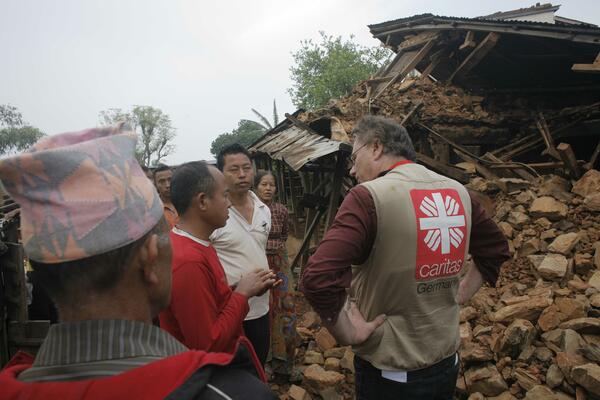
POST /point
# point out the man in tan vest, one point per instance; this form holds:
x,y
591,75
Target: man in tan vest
x,y
396,254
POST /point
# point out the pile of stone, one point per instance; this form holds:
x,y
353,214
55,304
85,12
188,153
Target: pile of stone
x,y
327,368
536,335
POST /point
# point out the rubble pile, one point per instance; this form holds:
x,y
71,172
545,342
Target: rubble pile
x,y
536,335
493,119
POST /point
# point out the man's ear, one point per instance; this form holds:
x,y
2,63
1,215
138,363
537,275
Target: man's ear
x,y
148,255
377,149
201,200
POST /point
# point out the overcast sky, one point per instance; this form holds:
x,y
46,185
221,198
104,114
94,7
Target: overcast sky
x,y
204,63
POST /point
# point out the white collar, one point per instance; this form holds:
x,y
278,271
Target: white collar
x,y
188,235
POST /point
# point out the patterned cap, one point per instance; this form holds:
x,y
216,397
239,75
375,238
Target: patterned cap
x,y
81,194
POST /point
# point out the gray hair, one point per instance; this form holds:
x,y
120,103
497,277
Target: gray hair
x,y
392,136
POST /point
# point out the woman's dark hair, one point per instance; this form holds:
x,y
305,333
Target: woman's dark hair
x,y
261,173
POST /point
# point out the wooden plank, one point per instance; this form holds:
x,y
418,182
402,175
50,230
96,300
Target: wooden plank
x,y
520,171
593,158
475,56
410,66
546,136
593,68
481,169
568,157
469,42
411,113
336,189
306,241
443,169
416,41
541,165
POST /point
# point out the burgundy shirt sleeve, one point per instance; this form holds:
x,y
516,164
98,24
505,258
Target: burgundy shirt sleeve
x,y
488,245
348,241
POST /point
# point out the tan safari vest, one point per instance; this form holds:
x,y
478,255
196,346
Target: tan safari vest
x,y
411,275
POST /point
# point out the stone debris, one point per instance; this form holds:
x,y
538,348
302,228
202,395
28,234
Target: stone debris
x,y
536,335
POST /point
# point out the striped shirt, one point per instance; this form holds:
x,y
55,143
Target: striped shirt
x,y
98,348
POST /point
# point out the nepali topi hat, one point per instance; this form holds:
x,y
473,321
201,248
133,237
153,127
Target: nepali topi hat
x,y
81,194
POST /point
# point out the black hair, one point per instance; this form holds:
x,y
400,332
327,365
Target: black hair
x,y
144,168
261,173
393,137
234,148
96,274
188,180
160,168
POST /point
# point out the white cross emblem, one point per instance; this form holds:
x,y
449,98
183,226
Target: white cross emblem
x,y
442,222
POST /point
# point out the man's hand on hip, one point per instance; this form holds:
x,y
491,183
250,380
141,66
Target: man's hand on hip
x,y
351,328
469,285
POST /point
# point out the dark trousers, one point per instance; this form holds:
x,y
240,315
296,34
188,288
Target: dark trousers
x,y
436,382
259,333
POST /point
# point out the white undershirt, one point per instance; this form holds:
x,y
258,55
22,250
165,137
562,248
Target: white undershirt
x,y
241,248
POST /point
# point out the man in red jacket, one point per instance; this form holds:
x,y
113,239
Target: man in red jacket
x,y
93,228
205,313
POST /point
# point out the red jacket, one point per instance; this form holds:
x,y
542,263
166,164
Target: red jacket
x,y
204,313
182,376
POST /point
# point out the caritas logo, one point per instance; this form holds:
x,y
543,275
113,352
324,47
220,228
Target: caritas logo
x,y
442,228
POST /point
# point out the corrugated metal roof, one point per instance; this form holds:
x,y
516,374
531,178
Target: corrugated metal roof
x,y
297,146
428,17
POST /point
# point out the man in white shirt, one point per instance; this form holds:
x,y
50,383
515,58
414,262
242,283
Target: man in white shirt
x,y
241,243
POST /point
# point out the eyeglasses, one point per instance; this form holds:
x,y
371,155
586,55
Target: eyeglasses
x,y
353,155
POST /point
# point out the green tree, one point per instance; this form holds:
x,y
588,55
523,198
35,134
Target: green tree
x,y
330,69
245,134
265,123
153,126
15,134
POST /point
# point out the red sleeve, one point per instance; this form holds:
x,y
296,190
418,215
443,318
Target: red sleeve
x,y
194,305
328,272
487,244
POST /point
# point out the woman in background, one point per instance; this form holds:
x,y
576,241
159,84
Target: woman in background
x,y
283,336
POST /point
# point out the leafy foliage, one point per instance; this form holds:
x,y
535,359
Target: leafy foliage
x,y
265,122
330,69
153,126
15,134
245,134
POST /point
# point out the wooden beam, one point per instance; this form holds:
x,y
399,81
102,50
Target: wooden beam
x,y
336,189
541,165
593,158
306,241
546,136
469,42
416,41
443,169
568,157
435,60
520,171
475,56
410,114
410,66
481,169
593,68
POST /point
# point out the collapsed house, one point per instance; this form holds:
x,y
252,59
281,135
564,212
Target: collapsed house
x,y
494,96
508,104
